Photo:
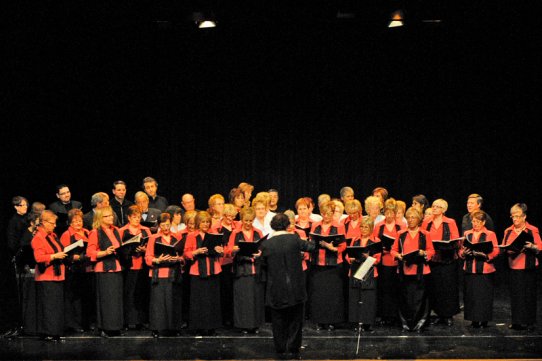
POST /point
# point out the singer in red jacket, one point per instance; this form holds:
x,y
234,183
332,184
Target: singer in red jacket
x,y
49,276
523,268
479,273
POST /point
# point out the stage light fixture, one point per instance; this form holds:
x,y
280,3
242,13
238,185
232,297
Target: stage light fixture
x,y
397,18
204,21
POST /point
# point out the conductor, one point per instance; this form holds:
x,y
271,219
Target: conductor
x,y
286,292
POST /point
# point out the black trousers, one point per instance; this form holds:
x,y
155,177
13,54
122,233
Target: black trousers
x,y
287,325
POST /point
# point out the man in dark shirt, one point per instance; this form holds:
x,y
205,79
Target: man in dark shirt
x,y
474,203
97,201
119,203
150,186
17,224
62,206
274,201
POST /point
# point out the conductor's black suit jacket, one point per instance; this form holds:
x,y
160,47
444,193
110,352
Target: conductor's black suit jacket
x,y
281,257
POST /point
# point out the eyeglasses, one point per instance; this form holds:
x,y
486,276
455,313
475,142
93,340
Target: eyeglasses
x,y
517,217
51,223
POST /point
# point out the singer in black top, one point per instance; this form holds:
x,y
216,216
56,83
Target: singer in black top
x,y
285,291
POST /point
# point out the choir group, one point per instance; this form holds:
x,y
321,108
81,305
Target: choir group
x,y
148,264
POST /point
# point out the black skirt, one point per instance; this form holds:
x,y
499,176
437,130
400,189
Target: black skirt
x,y
523,296
248,302
361,303
136,296
161,314
414,304
388,292
478,297
109,305
444,288
205,312
327,298
50,296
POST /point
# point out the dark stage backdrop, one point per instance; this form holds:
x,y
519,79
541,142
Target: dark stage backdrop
x,y
305,108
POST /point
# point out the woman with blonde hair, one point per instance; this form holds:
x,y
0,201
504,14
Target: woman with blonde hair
x,y
413,248
103,241
205,313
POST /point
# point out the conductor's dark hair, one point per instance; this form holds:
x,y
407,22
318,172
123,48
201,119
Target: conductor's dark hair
x,y
280,222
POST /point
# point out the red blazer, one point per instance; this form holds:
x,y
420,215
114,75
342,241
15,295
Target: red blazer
x,y
94,247
361,243
438,233
250,238
488,267
351,232
387,259
519,262
411,244
66,237
137,259
190,246
163,270
41,244
340,249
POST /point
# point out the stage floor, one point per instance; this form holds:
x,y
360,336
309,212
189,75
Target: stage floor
x,y
459,341
437,342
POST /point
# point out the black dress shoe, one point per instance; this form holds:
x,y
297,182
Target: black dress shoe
x,y
104,334
330,327
155,334
483,324
449,321
475,324
436,321
294,356
319,327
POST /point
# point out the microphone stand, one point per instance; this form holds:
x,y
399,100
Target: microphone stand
x,y
360,324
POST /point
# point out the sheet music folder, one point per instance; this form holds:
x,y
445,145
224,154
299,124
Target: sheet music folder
x,y
247,249
413,257
336,239
358,251
75,247
387,242
517,244
364,269
166,249
447,245
211,240
484,247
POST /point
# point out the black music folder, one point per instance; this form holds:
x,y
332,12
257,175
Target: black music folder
x,y
211,240
247,249
387,242
358,251
306,230
336,239
484,247
413,257
517,244
166,249
447,245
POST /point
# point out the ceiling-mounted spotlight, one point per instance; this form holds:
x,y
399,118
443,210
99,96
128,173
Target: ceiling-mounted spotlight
x,y
203,21
397,18
207,24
